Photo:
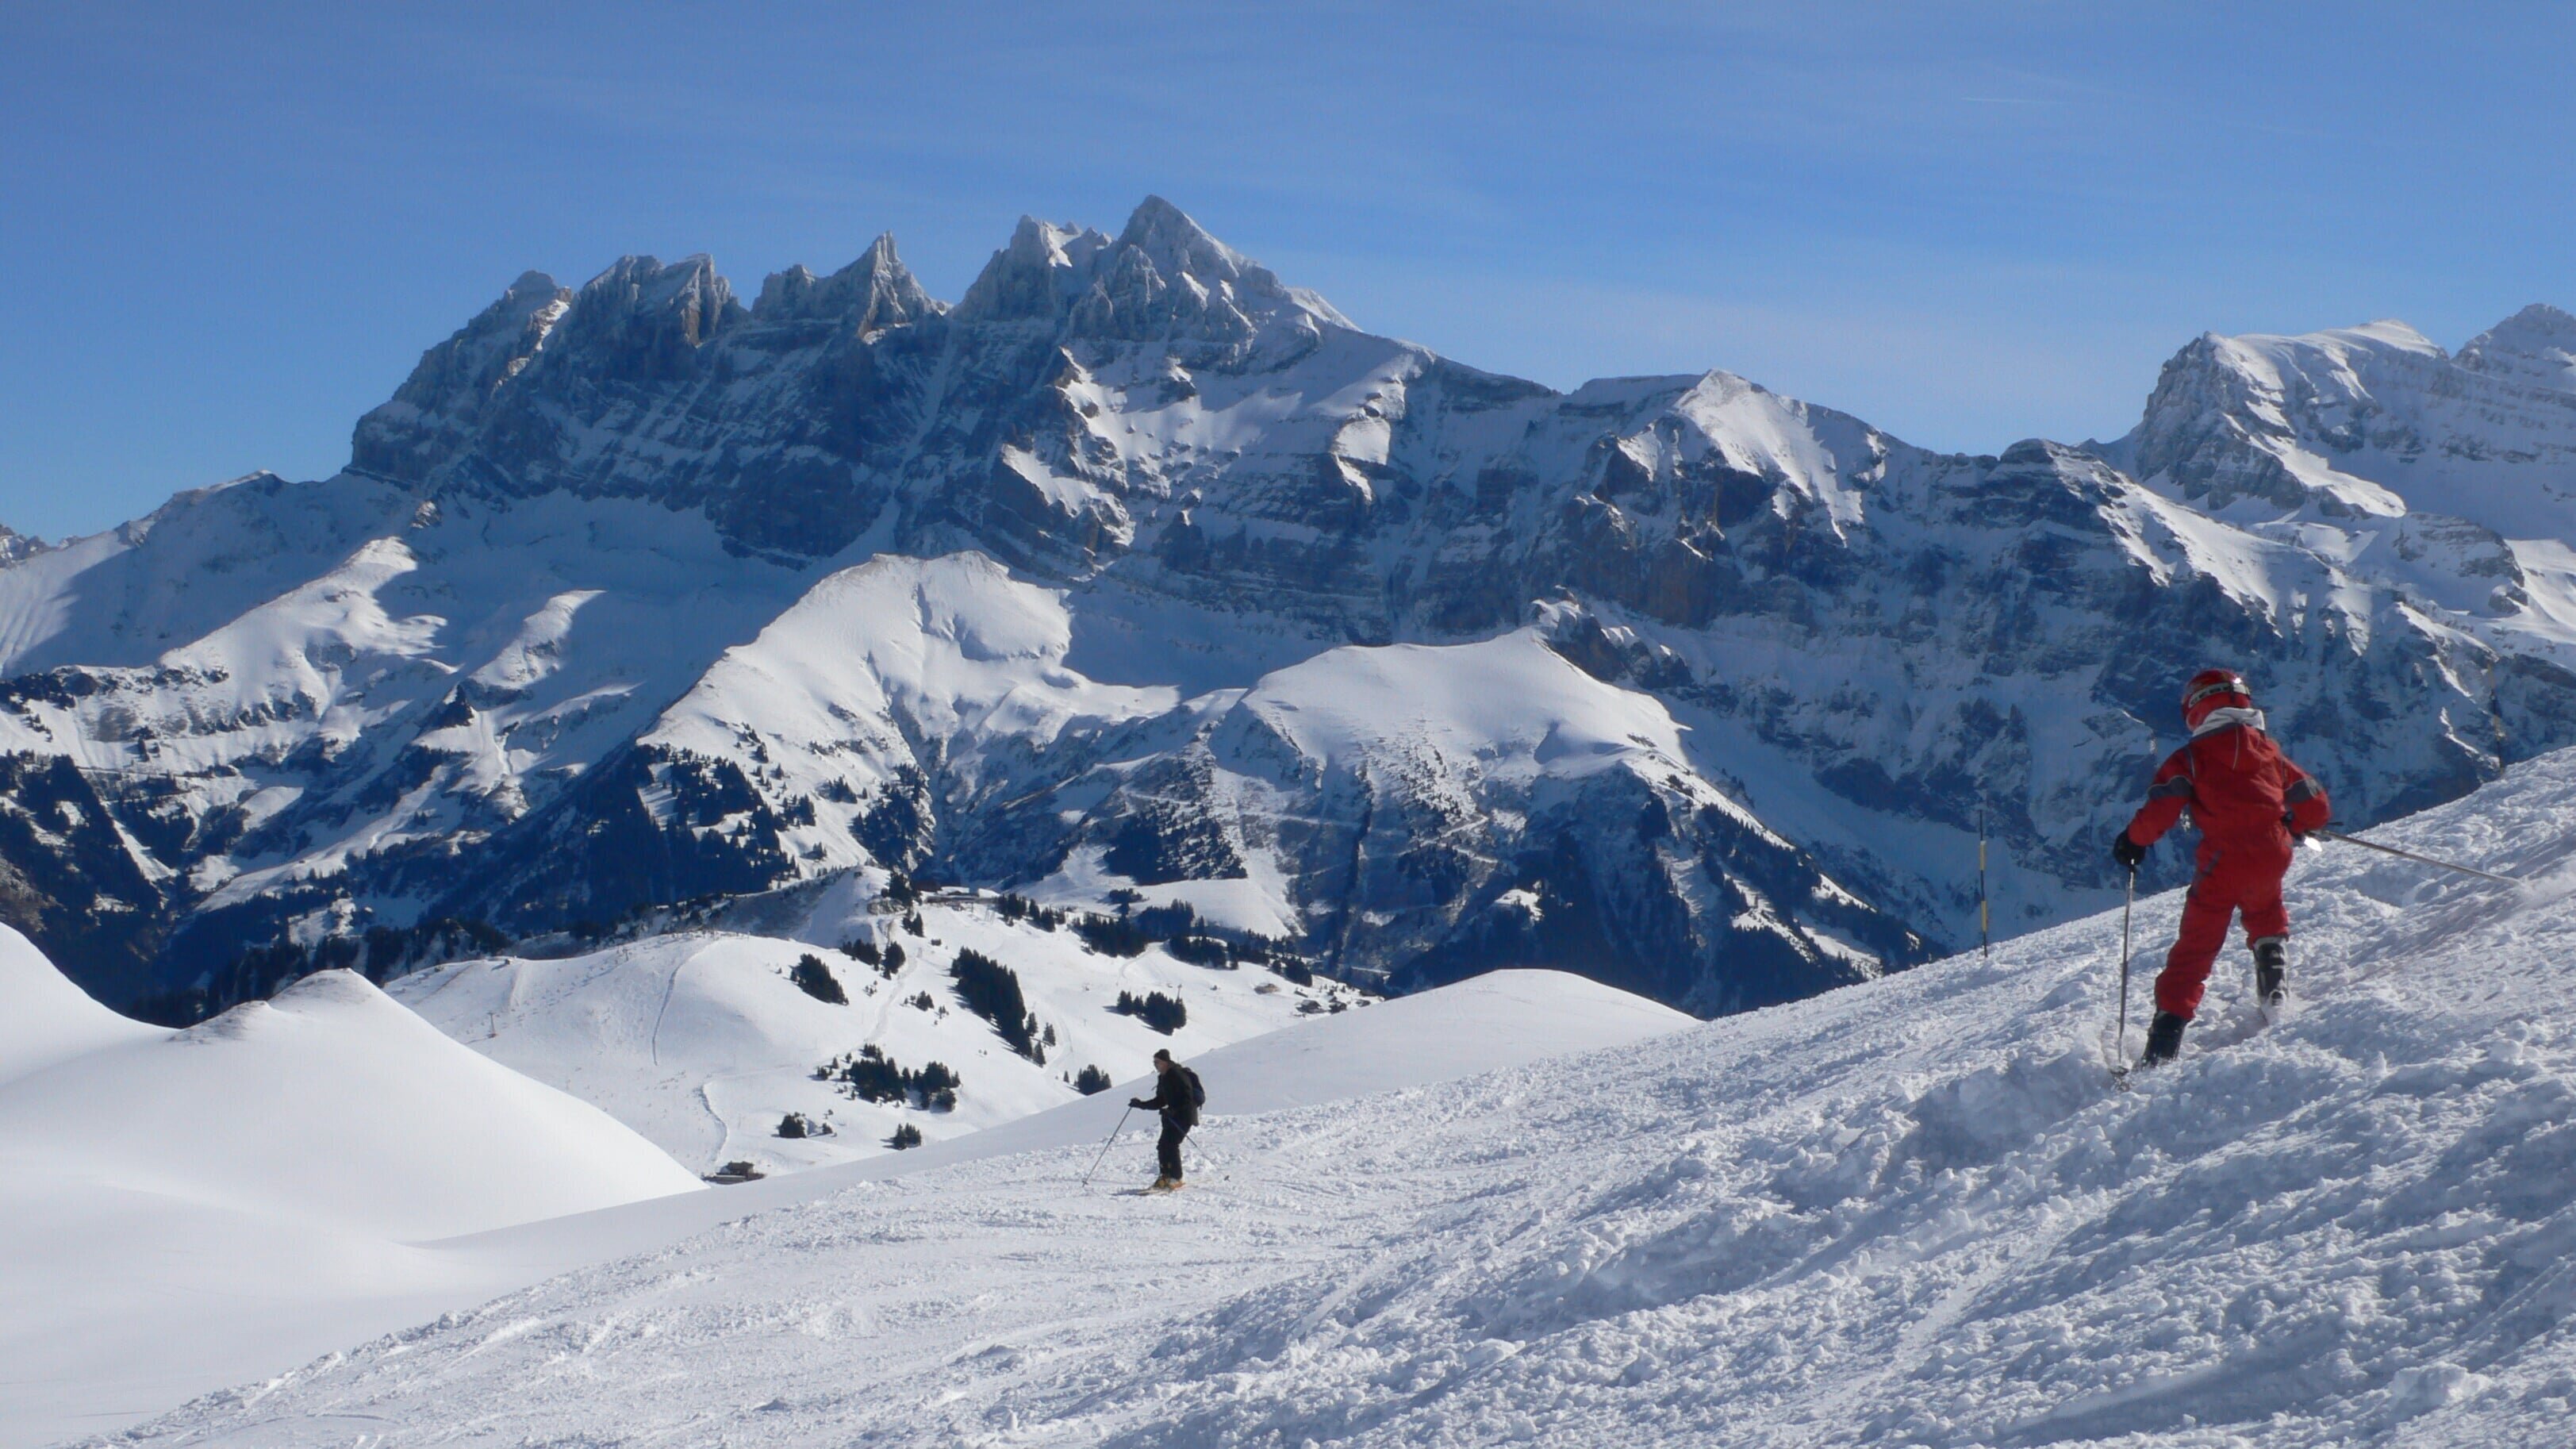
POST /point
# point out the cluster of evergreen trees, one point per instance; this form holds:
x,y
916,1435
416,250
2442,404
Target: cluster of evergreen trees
x,y
991,990
887,961
1178,929
1020,908
869,1075
816,980
1163,1013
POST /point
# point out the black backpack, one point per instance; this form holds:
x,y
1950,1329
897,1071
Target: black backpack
x,y
1198,1094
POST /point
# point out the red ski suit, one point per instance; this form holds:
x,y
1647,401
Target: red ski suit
x,y
2246,797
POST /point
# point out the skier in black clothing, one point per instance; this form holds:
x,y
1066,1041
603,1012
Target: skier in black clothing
x,y
1177,1096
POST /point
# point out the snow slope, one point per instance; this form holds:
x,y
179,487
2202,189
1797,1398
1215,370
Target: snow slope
x,y
163,1189
701,1042
1909,1212
834,692
101,1324
48,1019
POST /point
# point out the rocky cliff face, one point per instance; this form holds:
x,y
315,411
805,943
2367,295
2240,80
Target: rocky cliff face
x,y
632,593
15,545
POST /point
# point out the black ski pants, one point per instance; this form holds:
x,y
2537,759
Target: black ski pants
x,y
1168,1151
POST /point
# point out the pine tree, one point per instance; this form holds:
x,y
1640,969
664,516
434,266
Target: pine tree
x,y
818,981
991,990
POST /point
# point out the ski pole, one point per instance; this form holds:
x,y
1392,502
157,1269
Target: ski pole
x,y
2410,855
1113,1136
1985,929
2127,902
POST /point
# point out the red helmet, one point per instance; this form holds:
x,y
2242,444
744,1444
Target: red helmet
x,y
2212,689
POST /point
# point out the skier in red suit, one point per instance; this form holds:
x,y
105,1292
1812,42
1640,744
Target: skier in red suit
x,y
2251,804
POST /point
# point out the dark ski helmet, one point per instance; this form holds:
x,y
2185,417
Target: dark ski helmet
x,y
2213,689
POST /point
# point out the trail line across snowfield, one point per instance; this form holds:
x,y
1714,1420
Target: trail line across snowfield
x,y
1912,1212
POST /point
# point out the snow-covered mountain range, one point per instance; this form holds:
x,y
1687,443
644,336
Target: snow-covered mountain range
x,y
1139,572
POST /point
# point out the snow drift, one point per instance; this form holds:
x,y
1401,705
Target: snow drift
x,y
1910,1212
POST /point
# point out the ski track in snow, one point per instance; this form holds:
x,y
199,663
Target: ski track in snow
x,y
1911,1212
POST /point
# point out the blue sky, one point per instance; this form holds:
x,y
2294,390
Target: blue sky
x,y
230,230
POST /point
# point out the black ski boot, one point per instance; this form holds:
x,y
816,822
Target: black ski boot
x,y
2164,1039
2272,971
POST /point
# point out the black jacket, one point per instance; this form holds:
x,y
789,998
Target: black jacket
x,y
1172,1097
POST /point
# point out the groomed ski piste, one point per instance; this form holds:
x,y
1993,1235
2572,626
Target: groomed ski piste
x,y
1910,1212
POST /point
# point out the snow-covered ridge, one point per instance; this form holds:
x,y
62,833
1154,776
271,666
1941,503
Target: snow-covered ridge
x,y
2374,421
1914,1212
2536,346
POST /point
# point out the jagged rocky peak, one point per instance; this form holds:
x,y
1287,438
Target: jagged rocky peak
x,y
873,293
1035,276
494,346
1163,279
2224,409
15,545
448,388
2535,346
642,318
2371,421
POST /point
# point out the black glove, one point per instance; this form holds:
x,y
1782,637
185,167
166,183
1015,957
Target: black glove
x,y
2126,851
1133,1102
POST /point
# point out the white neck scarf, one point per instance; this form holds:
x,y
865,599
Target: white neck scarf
x,y
2220,719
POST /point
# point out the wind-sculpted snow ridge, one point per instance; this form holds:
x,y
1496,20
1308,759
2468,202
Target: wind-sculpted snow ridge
x,y
633,595
1912,1212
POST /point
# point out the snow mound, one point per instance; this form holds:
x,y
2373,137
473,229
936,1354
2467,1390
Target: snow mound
x,y
183,1207
1910,1212
47,1019
331,1102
